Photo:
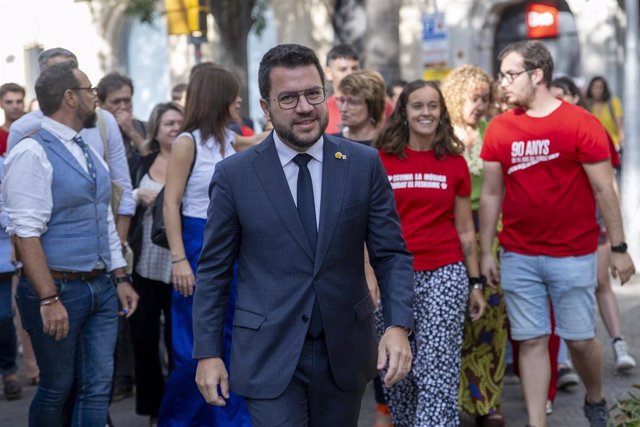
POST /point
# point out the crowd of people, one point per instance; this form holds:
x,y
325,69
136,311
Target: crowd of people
x,y
427,235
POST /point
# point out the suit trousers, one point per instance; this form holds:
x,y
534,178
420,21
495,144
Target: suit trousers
x,y
312,397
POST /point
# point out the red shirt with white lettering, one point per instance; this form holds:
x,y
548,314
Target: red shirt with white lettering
x,y
425,189
548,207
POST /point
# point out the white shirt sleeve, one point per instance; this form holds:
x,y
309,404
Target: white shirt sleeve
x,y
117,260
27,190
23,127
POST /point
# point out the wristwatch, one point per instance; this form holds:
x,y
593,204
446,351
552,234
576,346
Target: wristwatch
x,y
477,282
621,248
121,279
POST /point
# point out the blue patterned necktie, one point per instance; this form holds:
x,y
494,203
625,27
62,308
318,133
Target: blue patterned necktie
x,y
307,213
91,167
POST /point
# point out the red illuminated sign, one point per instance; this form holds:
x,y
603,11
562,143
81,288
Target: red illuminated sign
x,y
542,21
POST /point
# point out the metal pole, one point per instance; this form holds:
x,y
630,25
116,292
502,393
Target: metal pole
x,y
631,152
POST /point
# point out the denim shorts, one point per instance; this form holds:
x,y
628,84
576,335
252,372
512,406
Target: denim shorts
x,y
529,283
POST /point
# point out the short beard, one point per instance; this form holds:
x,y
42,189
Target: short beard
x,y
287,135
90,121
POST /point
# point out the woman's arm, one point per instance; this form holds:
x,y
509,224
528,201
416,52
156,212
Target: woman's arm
x,y
466,232
182,155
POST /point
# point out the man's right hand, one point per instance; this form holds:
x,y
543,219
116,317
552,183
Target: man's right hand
x,y
490,270
55,320
211,373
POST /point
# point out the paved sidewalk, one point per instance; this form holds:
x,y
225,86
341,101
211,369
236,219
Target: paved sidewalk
x,y
567,409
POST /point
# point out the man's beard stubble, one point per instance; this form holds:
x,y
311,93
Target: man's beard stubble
x,y
287,135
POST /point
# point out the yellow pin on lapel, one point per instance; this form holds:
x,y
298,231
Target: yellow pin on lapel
x,y
341,156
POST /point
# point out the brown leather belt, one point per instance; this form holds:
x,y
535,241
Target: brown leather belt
x,y
77,275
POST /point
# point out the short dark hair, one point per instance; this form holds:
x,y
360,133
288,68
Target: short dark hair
x,y
46,55
606,93
394,84
11,87
53,83
342,51
110,82
288,56
177,91
535,55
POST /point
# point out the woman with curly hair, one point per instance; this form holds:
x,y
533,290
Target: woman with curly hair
x,y
468,94
430,179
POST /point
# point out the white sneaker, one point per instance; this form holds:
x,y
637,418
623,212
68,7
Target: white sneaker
x,y
624,361
549,407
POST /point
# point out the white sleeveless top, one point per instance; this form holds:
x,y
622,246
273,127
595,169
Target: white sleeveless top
x,y
195,200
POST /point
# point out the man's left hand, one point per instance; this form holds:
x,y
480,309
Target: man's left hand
x,y
128,298
394,348
622,265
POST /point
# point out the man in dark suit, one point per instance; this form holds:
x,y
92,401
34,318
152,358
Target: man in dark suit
x,y
304,344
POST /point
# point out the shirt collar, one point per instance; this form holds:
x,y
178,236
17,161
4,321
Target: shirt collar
x,y
62,132
286,153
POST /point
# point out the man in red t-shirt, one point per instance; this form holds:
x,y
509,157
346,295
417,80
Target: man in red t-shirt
x,y
544,161
12,103
342,60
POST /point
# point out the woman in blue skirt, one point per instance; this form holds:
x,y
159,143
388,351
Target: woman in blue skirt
x,y
212,94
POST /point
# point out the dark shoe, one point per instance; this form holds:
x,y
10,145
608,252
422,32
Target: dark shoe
x,y
596,413
12,389
493,420
567,378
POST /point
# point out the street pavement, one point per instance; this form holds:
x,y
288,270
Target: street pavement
x,y
567,410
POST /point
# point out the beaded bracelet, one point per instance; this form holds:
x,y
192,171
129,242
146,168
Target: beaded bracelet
x,y
175,261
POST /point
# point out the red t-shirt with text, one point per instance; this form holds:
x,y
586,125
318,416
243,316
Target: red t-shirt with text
x,y
548,207
425,189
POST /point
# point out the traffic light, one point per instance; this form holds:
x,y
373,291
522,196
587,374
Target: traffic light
x,y
186,17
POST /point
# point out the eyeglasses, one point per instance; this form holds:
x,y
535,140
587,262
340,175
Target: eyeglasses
x,y
349,102
511,76
289,100
92,90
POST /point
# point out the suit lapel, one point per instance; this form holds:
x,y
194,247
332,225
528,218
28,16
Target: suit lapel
x,y
334,175
61,151
271,176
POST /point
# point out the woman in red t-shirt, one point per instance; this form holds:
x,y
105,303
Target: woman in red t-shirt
x,y
432,189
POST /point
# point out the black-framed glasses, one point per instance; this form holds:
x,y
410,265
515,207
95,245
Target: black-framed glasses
x,y
91,89
511,76
289,100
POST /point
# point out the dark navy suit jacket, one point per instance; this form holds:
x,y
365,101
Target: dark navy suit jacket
x,y
252,217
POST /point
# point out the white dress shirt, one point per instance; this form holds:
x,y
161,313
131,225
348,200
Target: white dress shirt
x,y
195,200
118,166
27,187
286,155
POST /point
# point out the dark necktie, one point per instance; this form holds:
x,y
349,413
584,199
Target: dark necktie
x,y
307,213
91,167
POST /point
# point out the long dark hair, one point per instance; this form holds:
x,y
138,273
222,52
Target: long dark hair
x,y
395,136
606,94
210,93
